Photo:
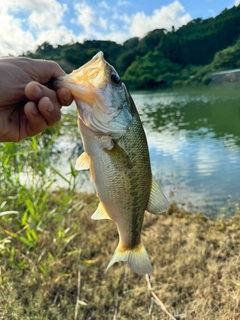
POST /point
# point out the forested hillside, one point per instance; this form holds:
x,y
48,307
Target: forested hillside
x,y
162,58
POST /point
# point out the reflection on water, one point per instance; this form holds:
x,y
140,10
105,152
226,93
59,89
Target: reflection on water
x,y
194,143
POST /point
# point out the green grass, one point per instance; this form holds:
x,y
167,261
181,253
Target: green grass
x,y
53,256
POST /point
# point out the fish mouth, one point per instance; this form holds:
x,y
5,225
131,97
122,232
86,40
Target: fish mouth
x,y
94,73
88,82
103,104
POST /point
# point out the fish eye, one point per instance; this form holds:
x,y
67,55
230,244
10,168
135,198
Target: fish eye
x,y
115,79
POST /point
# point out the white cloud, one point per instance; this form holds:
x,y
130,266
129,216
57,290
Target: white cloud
x,y
165,17
60,36
89,18
13,39
28,23
47,15
103,5
85,16
236,2
44,14
25,24
95,25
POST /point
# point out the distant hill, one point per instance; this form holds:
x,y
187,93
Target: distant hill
x,y
162,59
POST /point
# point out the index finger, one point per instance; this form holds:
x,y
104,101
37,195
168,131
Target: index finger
x,y
44,70
38,70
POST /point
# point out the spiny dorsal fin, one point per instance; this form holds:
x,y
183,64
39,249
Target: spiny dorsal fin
x,y
83,162
157,201
100,213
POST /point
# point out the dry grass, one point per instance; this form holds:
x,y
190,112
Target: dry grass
x,y
196,268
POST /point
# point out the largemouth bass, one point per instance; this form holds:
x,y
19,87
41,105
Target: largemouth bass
x,y
116,152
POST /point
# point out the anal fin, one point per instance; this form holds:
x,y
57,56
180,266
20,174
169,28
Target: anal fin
x,y
157,203
100,213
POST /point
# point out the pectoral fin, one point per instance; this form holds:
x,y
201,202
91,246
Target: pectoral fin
x,y
100,213
157,202
83,162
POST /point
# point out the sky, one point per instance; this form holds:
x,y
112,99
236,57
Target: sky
x,y
26,24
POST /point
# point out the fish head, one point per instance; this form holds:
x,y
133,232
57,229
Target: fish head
x,y
101,97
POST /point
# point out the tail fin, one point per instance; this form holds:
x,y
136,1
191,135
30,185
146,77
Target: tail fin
x,y
137,259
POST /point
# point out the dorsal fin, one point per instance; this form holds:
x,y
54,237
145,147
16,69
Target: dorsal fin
x,y
157,201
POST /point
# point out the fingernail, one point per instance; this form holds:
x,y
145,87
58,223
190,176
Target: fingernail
x,y
50,107
67,98
37,92
34,111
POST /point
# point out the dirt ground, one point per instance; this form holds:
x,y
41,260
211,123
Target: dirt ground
x,y
196,269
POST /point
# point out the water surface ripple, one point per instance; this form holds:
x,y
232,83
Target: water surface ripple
x,y
194,143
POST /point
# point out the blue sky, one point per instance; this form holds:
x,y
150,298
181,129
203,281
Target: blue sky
x,y
25,24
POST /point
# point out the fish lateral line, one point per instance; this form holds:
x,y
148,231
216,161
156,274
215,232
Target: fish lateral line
x,y
116,143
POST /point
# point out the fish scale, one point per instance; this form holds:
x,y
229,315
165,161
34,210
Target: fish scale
x,y
116,152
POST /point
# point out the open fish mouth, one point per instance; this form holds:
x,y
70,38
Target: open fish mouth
x,y
102,99
87,82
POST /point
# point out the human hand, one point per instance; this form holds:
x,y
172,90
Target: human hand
x,y
28,104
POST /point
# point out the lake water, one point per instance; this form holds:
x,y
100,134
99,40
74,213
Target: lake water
x,y
194,144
